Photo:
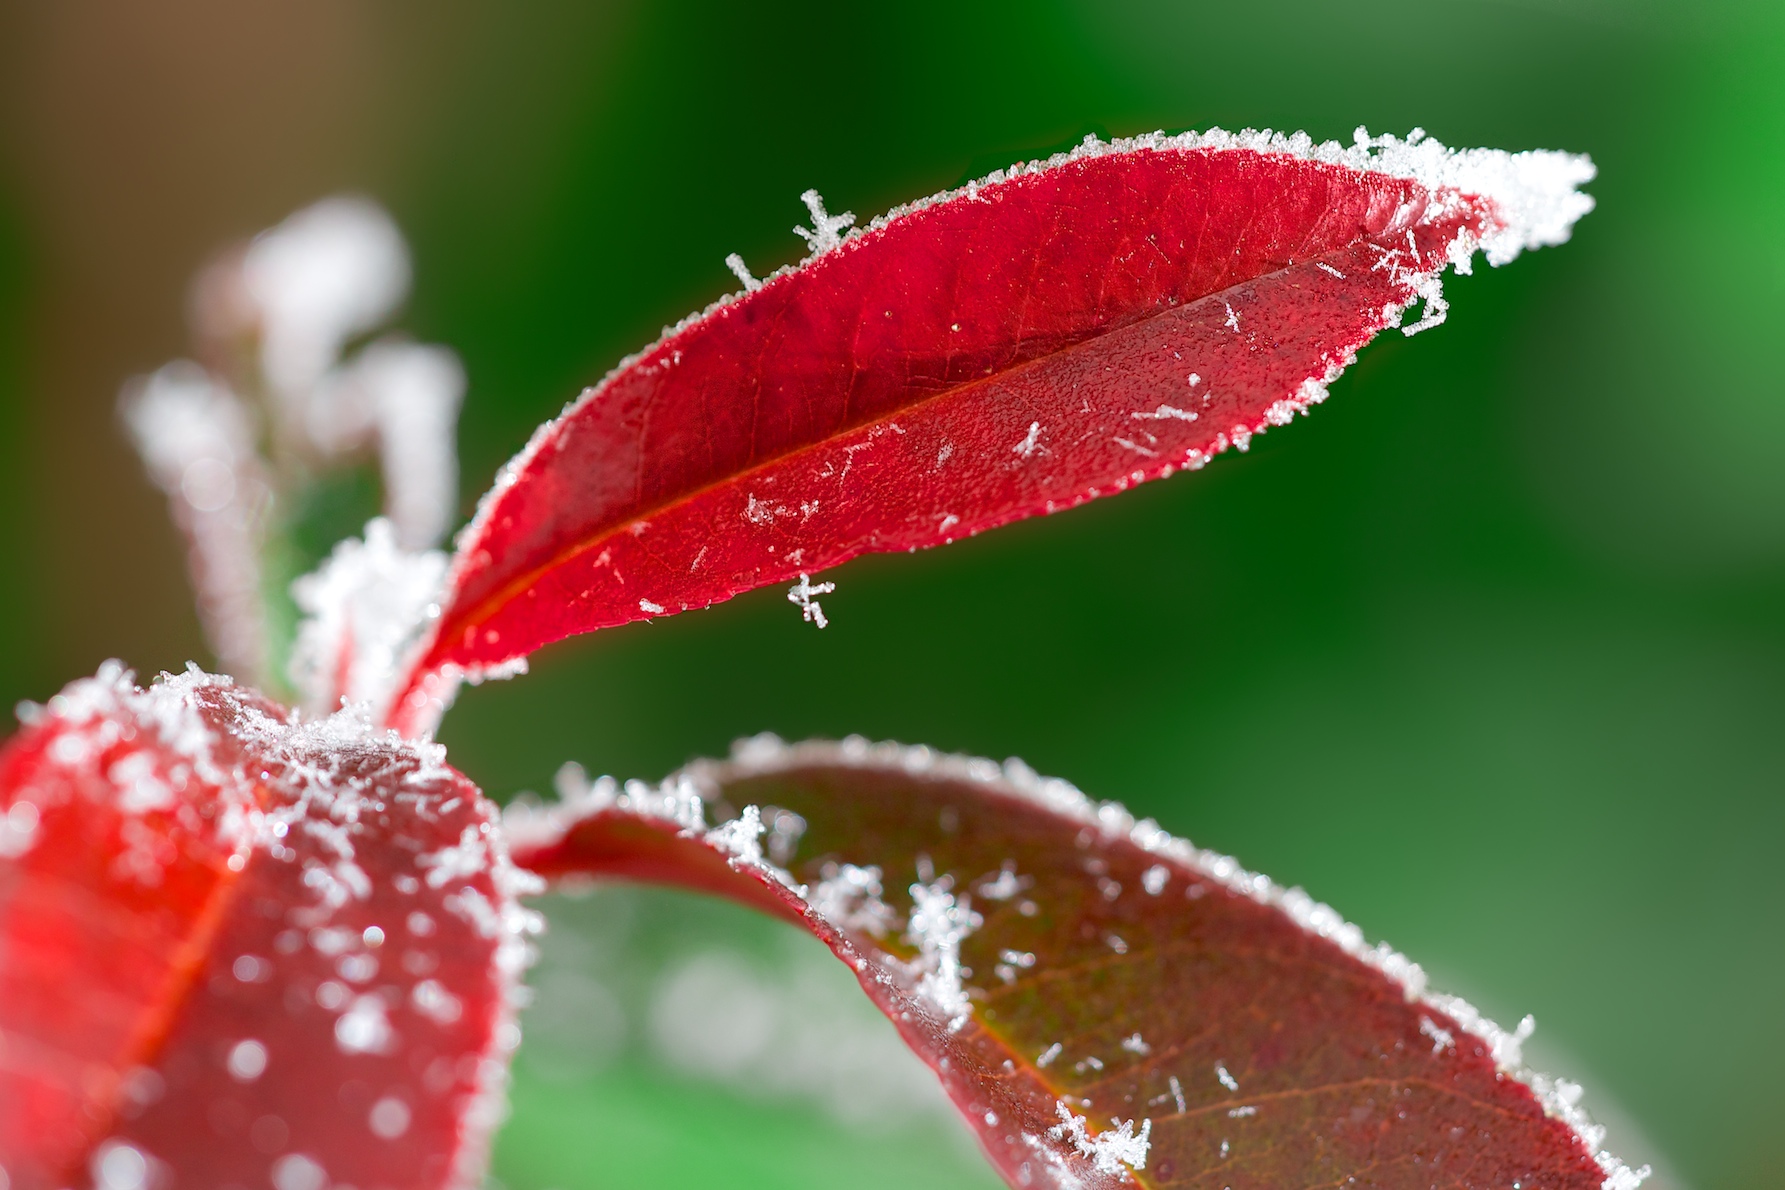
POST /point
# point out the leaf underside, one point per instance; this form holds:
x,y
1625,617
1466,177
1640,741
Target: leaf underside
x,y
1109,990
1014,348
237,951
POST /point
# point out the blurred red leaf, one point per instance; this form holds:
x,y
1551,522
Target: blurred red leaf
x,y
1106,1005
1018,346
238,950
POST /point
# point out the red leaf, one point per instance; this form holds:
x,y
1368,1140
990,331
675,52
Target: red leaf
x,y
238,948
1019,346
1105,1004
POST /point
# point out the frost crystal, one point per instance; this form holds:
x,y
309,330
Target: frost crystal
x,y
18,829
1012,961
937,926
366,607
295,1171
118,1165
849,898
1031,441
1163,412
740,838
247,1061
407,396
827,230
741,271
1108,1151
801,594
197,440
329,272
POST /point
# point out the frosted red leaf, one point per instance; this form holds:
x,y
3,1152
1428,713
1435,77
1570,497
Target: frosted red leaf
x,y
1050,334
240,950
1106,1005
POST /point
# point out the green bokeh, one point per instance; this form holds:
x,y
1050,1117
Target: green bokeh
x,y
1486,652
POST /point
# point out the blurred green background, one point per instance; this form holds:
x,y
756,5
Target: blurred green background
x,y
1487,652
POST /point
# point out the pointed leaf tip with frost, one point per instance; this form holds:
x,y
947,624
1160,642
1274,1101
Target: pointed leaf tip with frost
x,y
244,950
1050,334
1106,1005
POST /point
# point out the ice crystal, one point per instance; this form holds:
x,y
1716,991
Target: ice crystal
x,y
741,271
367,606
937,926
849,898
801,594
329,272
1109,1150
197,440
406,396
826,231
741,837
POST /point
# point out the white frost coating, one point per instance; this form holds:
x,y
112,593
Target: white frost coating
x,y
938,925
324,777
196,439
247,1061
1154,879
407,396
389,1118
766,755
18,829
1012,961
801,594
1109,1150
119,1165
329,272
296,1171
1226,1078
366,608
364,1028
94,714
677,802
849,898
741,838
433,1001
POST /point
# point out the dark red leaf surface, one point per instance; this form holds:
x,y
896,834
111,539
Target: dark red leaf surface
x,y
240,951
1113,985
1016,347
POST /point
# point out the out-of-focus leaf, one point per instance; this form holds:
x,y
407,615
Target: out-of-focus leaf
x,y
239,950
1105,1004
1021,345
